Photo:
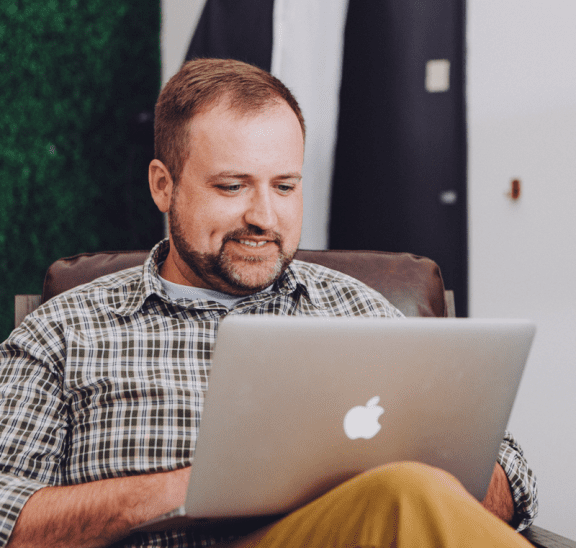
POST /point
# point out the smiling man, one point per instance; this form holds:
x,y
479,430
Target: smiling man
x,y
236,212
101,388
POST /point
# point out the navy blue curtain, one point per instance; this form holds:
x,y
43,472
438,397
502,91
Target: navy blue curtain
x,y
236,29
399,180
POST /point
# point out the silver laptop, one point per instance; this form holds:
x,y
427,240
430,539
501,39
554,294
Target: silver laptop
x,y
297,405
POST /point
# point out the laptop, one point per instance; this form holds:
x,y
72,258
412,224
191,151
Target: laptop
x,y
298,405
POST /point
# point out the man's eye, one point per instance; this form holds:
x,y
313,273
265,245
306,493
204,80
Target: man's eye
x,y
285,189
232,189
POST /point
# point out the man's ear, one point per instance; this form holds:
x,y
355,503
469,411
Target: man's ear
x,y
161,185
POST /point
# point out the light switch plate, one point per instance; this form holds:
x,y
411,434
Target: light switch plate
x,y
437,75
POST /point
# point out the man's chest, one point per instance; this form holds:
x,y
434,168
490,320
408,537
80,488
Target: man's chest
x,y
134,396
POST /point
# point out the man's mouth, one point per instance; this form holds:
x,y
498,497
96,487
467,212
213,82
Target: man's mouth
x,y
252,243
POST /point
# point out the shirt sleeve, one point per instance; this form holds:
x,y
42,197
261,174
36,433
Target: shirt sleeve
x,y
522,482
14,493
32,425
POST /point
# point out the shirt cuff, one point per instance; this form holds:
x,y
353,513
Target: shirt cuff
x,y
522,482
14,494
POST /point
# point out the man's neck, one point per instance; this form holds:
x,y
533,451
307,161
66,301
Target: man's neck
x,y
181,291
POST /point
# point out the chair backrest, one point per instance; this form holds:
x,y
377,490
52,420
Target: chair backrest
x,y
413,284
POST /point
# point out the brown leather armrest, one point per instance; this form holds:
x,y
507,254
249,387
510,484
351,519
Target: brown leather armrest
x,y
541,538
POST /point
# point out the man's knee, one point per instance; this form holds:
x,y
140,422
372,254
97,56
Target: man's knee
x,y
401,479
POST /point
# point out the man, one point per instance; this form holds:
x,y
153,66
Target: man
x,y
101,388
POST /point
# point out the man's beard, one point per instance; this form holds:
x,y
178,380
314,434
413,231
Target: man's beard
x,y
215,268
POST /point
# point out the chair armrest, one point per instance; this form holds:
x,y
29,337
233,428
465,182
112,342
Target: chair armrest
x,y
541,538
23,305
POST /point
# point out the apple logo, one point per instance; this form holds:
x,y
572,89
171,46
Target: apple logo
x,y
362,421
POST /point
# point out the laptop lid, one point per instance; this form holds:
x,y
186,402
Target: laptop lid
x,y
297,405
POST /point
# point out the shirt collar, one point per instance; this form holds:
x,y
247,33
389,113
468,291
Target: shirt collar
x,y
149,283
291,281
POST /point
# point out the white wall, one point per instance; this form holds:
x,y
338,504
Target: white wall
x,y
301,26
521,93
179,20
521,66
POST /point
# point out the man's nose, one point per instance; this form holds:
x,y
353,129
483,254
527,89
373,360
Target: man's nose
x,y
261,212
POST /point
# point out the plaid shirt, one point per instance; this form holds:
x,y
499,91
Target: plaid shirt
x,y
108,380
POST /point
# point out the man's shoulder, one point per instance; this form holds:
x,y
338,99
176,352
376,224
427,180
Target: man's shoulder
x,y
98,296
316,273
94,306
107,285
336,290
113,287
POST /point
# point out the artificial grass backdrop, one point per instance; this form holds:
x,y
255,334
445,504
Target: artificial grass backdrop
x,y
74,76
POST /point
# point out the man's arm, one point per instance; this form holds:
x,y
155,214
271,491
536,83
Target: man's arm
x,y
521,480
499,498
96,514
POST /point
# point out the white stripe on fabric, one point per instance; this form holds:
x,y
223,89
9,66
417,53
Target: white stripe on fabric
x,y
308,44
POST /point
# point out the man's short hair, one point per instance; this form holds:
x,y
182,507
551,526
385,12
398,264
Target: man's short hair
x,y
199,85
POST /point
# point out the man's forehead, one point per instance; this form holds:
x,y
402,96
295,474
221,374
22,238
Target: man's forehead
x,y
235,111
230,144
220,122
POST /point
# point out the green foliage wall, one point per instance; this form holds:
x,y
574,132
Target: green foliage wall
x,y
73,168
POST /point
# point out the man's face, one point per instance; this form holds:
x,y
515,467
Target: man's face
x,y
236,214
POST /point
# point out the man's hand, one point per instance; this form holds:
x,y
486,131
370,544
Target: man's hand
x,y
97,514
499,499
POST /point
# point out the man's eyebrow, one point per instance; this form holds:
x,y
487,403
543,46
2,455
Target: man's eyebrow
x,y
295,175
245,176
227,175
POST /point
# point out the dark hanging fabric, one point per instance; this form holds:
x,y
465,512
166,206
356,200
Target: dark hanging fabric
x,y
399,179
236,29
73,169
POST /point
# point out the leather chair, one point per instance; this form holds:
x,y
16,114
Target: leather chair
x,y
411,283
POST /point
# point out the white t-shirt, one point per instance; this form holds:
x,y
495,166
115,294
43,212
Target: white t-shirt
x,y
178,291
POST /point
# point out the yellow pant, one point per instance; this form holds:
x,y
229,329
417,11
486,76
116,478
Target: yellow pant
x,y
397,505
